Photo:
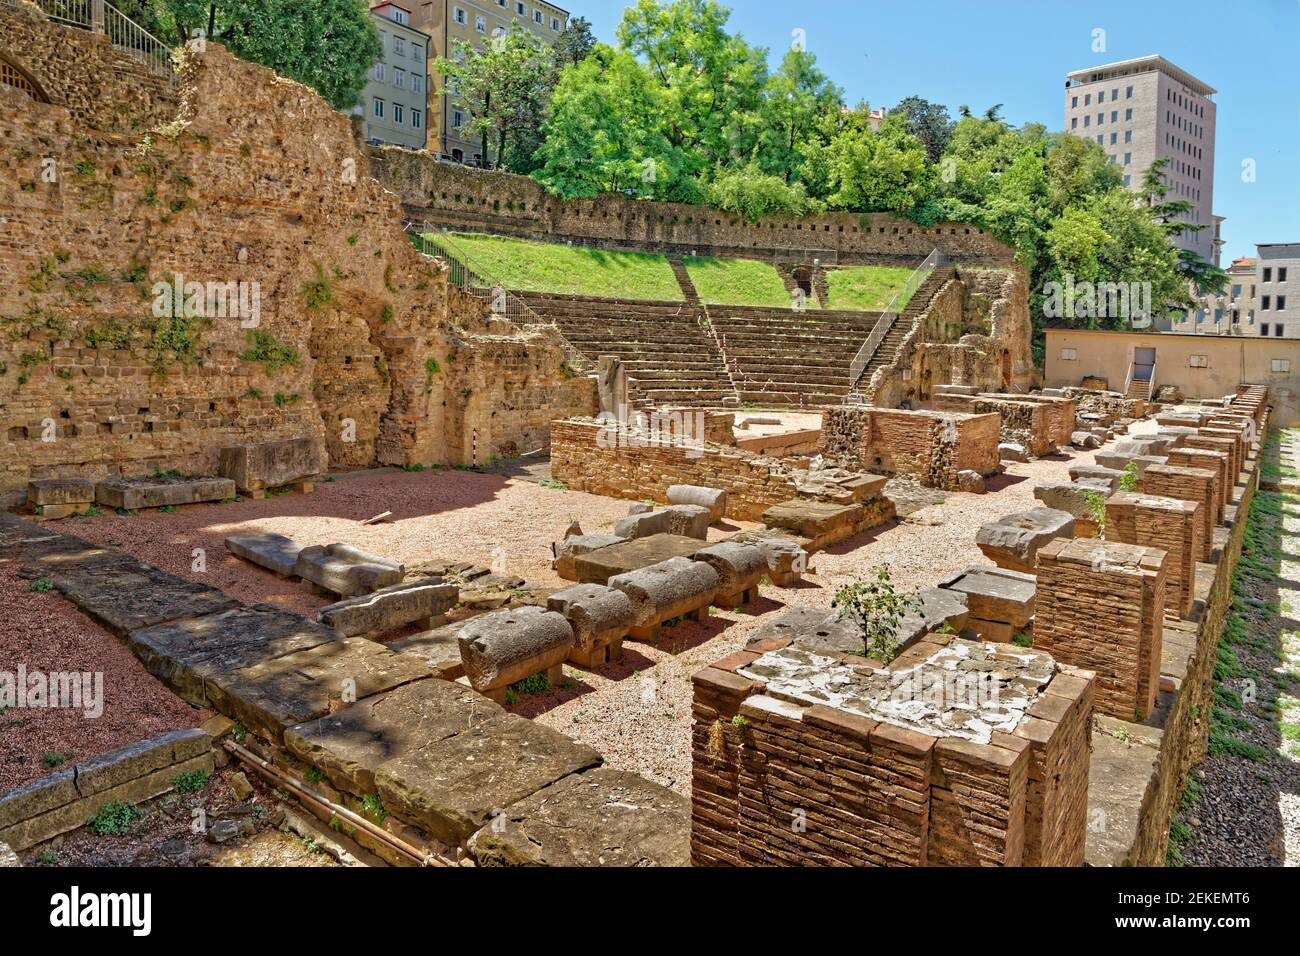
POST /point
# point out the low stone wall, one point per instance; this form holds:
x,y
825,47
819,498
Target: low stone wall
x,y
1026,423
70,797
934,446
590,456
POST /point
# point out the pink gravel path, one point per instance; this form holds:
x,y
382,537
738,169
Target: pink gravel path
x,y
47,634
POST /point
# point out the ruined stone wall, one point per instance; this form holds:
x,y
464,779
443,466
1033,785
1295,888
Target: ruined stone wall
x,y
460,197
591,457
1027,423
253,181
934,446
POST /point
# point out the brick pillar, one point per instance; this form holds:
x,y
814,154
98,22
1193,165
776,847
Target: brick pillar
x,y
1222,439
1100,606
1170,524
1189,484
1215,461
715,766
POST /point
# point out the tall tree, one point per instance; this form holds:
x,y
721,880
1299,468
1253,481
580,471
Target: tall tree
x,y
928,122
576,42
795,98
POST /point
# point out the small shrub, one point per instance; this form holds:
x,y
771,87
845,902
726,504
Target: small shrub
x,y
54,759
116,818
191,781
374,807
1097,505
274,355
1129,480
318,292
878,611
41,585
313,775
555,484
536,684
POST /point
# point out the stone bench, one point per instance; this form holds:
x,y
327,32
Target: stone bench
x,y
600,617
565,553
1013,540
345,570
60,497
133,494
503,647
387,609
820,523
256,467
678,587
787,561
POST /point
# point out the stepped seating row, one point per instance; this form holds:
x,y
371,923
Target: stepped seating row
x,y
919,303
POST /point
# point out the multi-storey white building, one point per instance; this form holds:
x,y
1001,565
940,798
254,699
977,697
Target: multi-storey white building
x,y
395,101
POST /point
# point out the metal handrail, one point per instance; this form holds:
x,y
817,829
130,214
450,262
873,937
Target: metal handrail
x,y
887,319
100,16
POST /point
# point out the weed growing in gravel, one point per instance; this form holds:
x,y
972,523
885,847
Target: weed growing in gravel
x,y
554,483
191,781
535,684
54,759
41,584
116,818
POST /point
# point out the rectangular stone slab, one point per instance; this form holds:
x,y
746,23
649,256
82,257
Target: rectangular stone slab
x,y
125,597
350,746
270,464
451,787
811,519
135,493
275,552
185,655
597,567
603,817
439,649
60,491
390,608
996,594
299,687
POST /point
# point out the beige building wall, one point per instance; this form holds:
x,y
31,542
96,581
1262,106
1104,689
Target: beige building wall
x,y
1202,366
475,22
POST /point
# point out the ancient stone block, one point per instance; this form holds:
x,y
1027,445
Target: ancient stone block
x,y
786,558
602,817
1101,607
60,491
1111,476
1012,451
1013,540
1169,524
126,596
597,567
690,521
669,589
271,464
1076,498
1118,461
566,551
995,594
740,567
439,648
715,499
600,617
821,523
509,645
815,629
1187,484
345,570
132,494
275,552
390,608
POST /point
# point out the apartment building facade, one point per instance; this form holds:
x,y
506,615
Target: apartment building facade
x,y
395,101
1147,109
1278,290
476,22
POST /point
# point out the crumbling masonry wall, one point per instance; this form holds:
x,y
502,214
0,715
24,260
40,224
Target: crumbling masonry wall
x,y
934,446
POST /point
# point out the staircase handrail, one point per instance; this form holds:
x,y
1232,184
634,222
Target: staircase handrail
x,y
914,281
100,16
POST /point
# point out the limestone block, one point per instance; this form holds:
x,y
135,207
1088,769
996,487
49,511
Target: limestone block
x,y
439,648
1013,540
1084,440
565,551
509,645
740,567
1012,451
132,494
814,629
275,552
600,617
937,607
261,465
389,608
715,499
995,594
971,482
1074,497
60,491
690,521
1111,476
345,570
1143,445
787,559
669,589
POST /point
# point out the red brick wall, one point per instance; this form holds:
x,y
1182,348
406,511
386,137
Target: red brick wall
x,y
1170,524
934,446
1189,484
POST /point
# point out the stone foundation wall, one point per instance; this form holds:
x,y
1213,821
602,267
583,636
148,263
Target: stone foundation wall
x,y
935,446
345,334
1168,524
459,197
1027,423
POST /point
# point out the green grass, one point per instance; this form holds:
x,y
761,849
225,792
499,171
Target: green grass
x,y
520,264
868,288
739,282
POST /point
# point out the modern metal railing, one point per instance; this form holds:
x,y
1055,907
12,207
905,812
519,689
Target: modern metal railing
x,y
469,278
886,321
100,16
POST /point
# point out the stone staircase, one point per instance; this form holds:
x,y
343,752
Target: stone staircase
x,y
684,280
783,357
670,355
918,305
1139,389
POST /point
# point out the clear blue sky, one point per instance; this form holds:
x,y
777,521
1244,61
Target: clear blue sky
x,y
1017,52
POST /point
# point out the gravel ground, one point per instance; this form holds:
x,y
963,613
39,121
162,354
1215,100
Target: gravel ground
x,y
47,634
1248,809
636,712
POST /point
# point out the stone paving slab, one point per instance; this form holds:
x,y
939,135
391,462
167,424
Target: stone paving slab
x,y
350,746
293,689
275,552
124,597
187,654
1122,777
603,817
597,567
452,787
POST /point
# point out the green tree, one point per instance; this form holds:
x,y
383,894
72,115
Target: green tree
x,y
329,45
928,122
795,99
752,193
869,171
575,43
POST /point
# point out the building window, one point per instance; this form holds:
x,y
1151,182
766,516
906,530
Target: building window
x,y
1114,116
1281,303
417,83
520,9
1128,159
1268,275
377,109
1281,274
1198,361
1236,291
1128,115
415,119
1087,120
399,78
377,73
1128,180
537,16
1074,102
399,46
1087,99
480,24
1074,122
398,114
1114,138
1128,136
461,17
400,16
1264,303
1128,93
555,24
457,119
417,51
1069,355
1281,365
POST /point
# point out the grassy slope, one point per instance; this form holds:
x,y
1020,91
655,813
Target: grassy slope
x,y
738,282
865,287
551,267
